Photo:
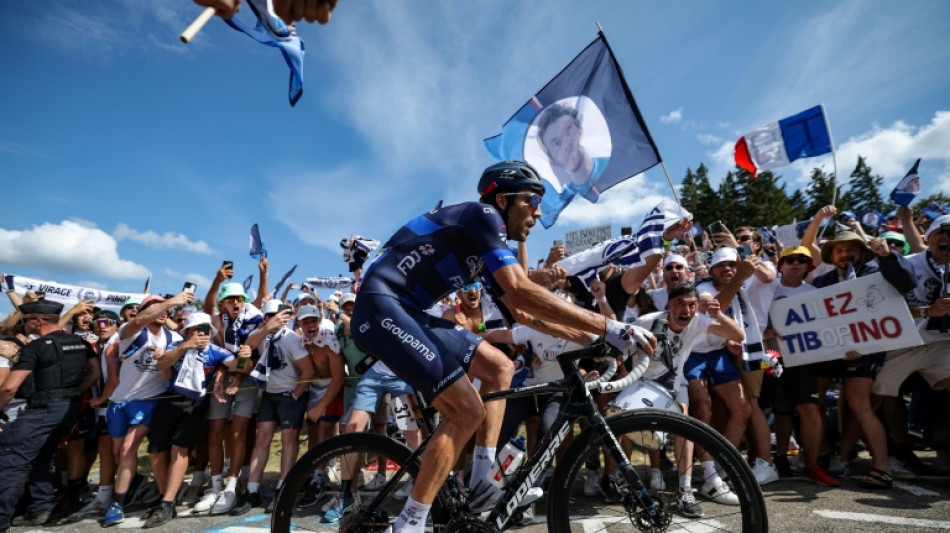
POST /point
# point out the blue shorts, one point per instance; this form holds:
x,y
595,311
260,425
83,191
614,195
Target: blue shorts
x,y
373,386
428,353
121,416
715,366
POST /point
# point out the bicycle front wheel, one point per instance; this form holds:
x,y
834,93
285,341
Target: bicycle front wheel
x,y
586,493
363,463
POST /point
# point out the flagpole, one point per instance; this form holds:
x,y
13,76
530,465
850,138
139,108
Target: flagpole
x,y
834,161
834,158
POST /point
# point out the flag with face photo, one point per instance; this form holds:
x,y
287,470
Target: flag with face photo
x,y
257,247
284,279
630,250
582,132
933,210
908,188
271,30
247,283
779,143
872,219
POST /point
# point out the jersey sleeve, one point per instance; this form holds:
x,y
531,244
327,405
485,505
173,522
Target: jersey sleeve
x,y
490,236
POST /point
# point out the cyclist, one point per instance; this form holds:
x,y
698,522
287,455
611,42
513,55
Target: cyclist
x,y
431,256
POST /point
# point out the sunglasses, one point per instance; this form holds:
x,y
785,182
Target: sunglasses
x,y
533,198
472,286
104,322
895,242
744,238
674,266
801,259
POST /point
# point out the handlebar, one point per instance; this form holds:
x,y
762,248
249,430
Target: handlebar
x,y
638,369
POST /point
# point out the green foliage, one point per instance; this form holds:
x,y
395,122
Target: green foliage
x,y
864,189
764,201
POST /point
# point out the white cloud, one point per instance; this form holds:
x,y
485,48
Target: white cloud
x,y
93,285
165,241
71,247
203,282
707,139
672,117
890,151
624,205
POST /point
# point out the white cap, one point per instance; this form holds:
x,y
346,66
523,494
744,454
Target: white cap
x,y
675,258
198,318
347,298
724,254
935,225
270,308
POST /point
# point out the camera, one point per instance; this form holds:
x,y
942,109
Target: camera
x,y
189,287
744,251
715,227
204,329
283,307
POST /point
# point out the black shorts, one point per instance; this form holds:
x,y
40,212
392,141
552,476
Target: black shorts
x,y
86,425
176,422
426,352
865,367
283,409
797,386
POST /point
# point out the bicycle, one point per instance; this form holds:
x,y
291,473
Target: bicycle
x,y
347,458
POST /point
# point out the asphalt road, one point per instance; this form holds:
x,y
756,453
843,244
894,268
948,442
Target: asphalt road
x,y
794,505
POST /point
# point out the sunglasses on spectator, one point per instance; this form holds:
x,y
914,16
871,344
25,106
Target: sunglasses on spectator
x,y
472,286
744,238
895,242
674,266
104,322
804,260
533,198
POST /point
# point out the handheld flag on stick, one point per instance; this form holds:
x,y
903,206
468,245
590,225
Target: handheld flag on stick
x,y
779,143
629,250
257,247
247,283
284,279
582,132
272,31
872,219
148,281
908,188
933,210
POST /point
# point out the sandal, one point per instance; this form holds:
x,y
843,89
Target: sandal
x,y
877,479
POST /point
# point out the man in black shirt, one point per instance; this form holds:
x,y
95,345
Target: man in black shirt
x,y
51,374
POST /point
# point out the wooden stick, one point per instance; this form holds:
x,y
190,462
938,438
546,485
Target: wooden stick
x,y
196,26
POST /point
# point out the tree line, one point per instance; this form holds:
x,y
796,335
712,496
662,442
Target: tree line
x,y
764,200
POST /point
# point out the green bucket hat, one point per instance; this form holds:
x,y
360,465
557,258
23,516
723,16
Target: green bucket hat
x,y
231,289
894,236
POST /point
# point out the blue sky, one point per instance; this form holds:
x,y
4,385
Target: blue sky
x,y
125,153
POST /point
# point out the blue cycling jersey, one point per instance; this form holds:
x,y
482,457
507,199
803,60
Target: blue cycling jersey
x,y
438,252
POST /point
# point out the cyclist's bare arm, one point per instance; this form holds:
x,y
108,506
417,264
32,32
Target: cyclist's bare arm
x,y
555,330
525,298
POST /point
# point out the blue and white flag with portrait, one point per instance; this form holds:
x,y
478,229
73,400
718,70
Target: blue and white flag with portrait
x,y
582,132
908,188
257,246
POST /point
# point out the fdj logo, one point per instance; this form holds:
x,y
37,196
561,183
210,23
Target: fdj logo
x,y
364,327
410,261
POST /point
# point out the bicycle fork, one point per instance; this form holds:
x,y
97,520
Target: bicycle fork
x,y
652,511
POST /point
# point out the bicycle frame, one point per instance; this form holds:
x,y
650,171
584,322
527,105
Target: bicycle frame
x,y
581,405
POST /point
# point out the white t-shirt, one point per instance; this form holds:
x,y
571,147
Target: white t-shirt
x,y
681,344
139,378
287,350
546,348
926,292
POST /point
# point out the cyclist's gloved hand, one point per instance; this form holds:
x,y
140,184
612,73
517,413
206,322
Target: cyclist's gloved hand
x,y
628,338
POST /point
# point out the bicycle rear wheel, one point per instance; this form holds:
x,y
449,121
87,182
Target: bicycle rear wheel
x,y
348,460
639,432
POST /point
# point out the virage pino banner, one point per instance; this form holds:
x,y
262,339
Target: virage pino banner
x,y
866,314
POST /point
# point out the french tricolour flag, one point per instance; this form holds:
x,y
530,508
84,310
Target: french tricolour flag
x,y
779,143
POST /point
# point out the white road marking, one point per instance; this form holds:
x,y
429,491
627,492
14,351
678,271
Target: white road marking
x,y
914,489
598,524
883,519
